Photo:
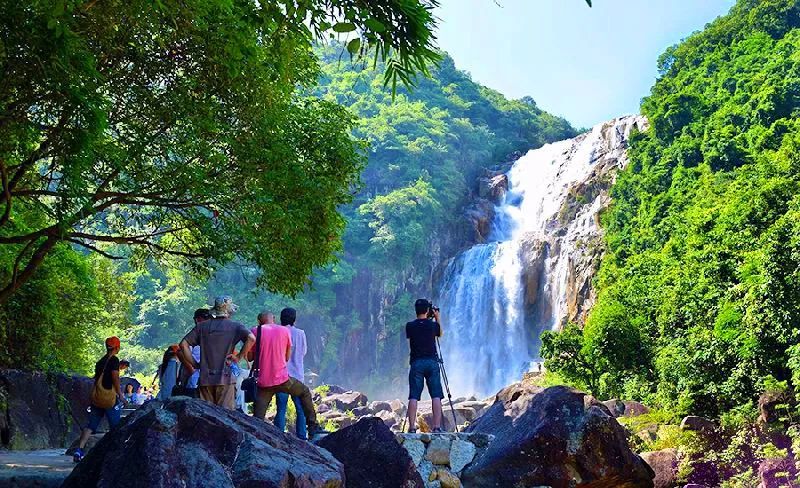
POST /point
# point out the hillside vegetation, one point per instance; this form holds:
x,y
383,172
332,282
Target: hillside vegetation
x,y
699,292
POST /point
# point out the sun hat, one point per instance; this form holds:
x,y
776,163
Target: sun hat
x,y
224,306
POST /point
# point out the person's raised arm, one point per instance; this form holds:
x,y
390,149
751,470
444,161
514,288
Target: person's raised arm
x,y
438,321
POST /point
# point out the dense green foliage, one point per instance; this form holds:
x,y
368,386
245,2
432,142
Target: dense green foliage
x,y
181,128
699,293
145,131
426,147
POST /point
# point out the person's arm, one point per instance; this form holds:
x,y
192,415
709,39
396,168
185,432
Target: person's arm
x,y
186,356
249,342
191,339
304,350
115,382
439,322
289,348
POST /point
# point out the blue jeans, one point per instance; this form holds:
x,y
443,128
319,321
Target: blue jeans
x,y
282,401
424,370
96,415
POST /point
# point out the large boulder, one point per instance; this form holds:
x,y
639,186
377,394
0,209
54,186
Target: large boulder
x,y
559,437
774,473
348,400
665,464
41,411
625,408
699,424
185,442
372,457
774,406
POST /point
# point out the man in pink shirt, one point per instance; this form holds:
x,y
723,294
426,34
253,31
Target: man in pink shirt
x,y
275,348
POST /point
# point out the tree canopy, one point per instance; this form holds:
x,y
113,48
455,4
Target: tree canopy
x,y
148,129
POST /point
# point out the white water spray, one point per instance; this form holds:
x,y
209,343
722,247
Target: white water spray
x,y
497,297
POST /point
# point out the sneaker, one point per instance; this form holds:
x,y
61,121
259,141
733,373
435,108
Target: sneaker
x,y
316,432
438,430
78,455
412,431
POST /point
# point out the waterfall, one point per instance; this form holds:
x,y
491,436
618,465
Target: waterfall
x,y
533,272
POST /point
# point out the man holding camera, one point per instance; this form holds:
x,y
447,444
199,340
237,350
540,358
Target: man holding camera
x,y
422,334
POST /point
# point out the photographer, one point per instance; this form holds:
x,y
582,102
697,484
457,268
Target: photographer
x,y
422,334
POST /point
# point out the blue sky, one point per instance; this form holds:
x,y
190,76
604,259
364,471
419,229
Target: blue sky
x,y
585,64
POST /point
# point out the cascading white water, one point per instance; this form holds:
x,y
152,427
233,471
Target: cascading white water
x,y
495,299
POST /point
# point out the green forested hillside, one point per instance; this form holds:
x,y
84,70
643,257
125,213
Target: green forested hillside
x,y
699,292
424,150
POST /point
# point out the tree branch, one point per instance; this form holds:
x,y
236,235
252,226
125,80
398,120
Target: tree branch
x,y
95,249
33,264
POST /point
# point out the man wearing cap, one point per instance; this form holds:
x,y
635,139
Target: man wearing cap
x,y
108,368
217,339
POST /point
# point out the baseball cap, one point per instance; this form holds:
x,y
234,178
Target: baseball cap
x,y
112,342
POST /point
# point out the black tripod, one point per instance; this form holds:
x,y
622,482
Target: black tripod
x,y
446,383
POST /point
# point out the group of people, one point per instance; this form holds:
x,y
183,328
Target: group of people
x,y
205,364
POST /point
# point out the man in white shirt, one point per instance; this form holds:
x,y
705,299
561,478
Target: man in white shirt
x,y
296,371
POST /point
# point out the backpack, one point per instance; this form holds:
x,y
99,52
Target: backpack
x,y
103,397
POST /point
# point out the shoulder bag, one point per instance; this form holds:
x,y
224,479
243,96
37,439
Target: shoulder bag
x,y
103,397
250,384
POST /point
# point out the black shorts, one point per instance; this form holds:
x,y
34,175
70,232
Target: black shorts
x,y
424,371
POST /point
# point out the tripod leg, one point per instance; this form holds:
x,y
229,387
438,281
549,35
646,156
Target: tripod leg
x,y
446,384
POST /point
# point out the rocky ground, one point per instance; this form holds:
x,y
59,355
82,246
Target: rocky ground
x,y
340,408
526,435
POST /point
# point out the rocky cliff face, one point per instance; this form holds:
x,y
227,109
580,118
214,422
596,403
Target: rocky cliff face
x,y
574,231
537,246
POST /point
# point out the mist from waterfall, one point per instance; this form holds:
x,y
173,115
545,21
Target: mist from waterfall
x,y
491,324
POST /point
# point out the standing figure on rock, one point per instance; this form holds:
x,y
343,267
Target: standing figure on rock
x,y
107,398
422,334
218,363
297,371
275,351
168,372
189,375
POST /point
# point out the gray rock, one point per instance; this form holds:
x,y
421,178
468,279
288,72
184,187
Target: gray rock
x,y
615,406
345,401
388,418
380,406
554,437
426,471
665,465
461,454
188,442
438,451
416,449
698,424
41,411
398,407
362,411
